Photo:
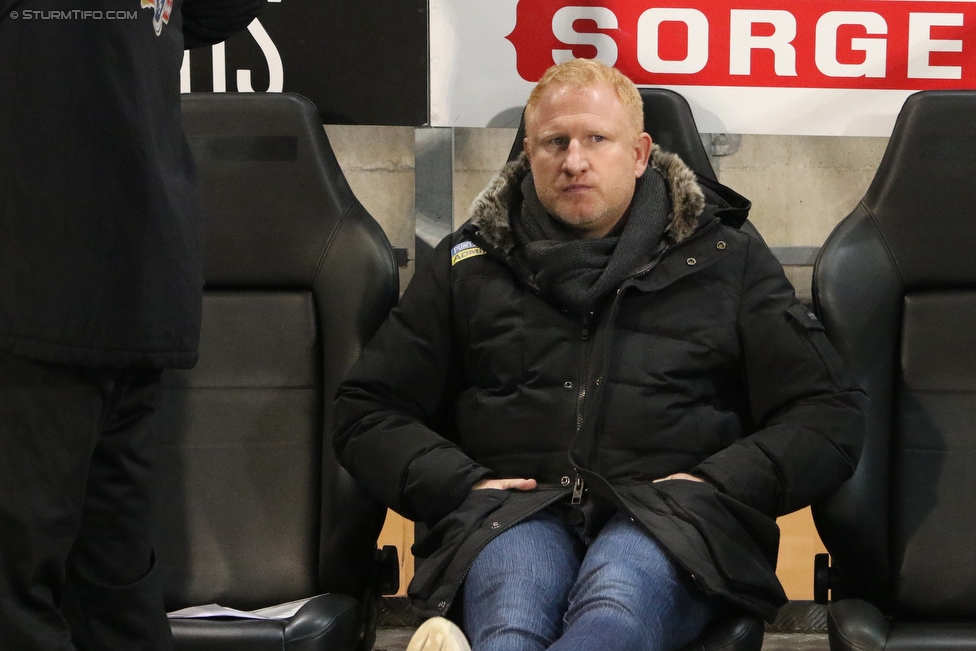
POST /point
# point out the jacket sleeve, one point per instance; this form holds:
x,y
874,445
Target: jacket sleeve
x,y
206,22
400,391
808,415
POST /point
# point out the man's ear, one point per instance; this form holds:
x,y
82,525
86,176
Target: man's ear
x,y
642,152
525,145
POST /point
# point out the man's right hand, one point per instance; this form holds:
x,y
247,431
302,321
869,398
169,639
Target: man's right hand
x,y
506,484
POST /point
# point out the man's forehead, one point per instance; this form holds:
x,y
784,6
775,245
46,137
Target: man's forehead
x,y
565,91
595,102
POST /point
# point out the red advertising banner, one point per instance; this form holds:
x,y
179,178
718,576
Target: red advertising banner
x,y
868,44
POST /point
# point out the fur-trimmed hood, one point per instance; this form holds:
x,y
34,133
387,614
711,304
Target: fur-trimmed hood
x,y
491,209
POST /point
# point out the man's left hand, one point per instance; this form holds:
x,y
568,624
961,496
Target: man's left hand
x,y
506,484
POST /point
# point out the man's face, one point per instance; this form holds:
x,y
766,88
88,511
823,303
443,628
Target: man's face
x,y
585,156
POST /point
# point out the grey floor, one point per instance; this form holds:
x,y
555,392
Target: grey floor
x,y
396,639
795,642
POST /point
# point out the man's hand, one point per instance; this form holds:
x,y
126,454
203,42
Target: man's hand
x,y
506,484
680,475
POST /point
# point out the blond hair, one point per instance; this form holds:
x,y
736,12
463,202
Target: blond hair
x,y
582,73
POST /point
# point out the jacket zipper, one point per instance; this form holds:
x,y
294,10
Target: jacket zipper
x,y
579,485
577,489
445,605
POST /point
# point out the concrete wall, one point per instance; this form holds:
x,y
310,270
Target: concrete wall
x,y
800,187
379,164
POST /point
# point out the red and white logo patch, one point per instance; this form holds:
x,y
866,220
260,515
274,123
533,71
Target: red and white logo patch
x,y
161,12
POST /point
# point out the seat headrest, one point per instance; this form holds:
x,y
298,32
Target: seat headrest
x,y
923,197
271,184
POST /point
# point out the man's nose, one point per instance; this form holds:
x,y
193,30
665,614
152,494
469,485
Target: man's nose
x,y
575,160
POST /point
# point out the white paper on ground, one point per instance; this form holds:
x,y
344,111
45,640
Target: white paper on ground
x,y
281,611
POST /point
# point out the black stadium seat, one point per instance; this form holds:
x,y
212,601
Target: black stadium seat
x,y
254,510
895,286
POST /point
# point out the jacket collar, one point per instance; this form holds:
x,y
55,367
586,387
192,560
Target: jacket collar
x,y
491,210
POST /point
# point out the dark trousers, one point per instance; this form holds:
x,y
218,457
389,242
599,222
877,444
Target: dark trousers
x,y
76,556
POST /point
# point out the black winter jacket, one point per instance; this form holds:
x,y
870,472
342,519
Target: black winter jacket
x,y
702,362
100,260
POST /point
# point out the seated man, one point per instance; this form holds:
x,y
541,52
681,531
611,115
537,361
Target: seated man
x,y
598,396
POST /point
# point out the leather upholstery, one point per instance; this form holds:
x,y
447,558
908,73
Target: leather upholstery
x,y
331,621
730,633
254,509
895,286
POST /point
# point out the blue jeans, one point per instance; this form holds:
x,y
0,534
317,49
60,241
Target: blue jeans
x,y
537,586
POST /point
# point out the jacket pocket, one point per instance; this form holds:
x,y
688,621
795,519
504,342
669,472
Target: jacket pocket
x,y
439,547
727,546
477,506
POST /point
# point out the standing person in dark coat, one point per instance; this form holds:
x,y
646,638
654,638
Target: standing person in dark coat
x,y
598,396
100,289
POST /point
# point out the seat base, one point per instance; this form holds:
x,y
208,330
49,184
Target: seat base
x,y
730,633
327,622
857,625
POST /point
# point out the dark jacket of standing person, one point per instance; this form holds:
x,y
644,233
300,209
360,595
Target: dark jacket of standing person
x,y
100,260
701,360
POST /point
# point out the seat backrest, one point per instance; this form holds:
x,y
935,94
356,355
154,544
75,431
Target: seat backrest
x,y
669,121
895,286
254,508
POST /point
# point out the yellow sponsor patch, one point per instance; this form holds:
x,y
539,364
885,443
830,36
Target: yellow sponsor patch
x,y
465,250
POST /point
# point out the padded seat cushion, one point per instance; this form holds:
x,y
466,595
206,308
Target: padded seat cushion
x,y
327,621
730,633
240,456
933,524
856,625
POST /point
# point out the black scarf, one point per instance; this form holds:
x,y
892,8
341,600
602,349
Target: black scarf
x,y
577,271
